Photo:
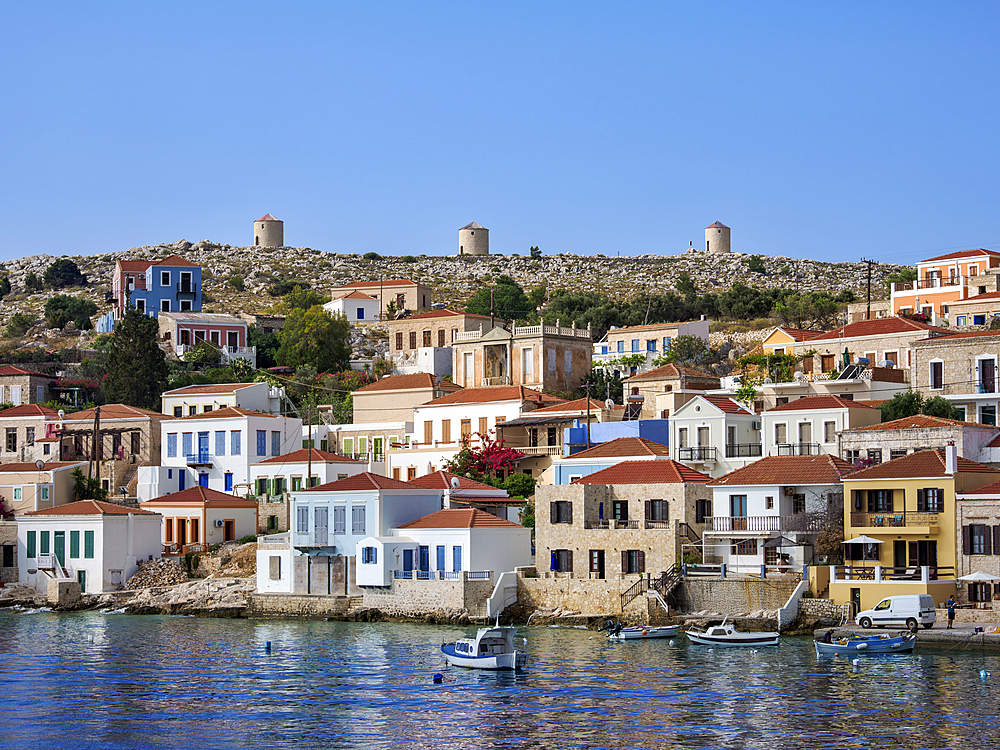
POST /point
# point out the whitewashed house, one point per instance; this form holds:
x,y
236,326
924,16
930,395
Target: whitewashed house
x,y
768,513
439,425
356,306
328,521
809,426
442,545
198,399
196,518
216,450
715,434
289,471
97,544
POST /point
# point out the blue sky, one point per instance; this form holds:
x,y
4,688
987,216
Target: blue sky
x,y
831,131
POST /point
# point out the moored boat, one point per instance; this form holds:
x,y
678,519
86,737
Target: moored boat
x,y
617,632
856,645
727,635
492,648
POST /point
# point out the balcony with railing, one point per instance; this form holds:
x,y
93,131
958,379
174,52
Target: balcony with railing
x,y
201,458
639,523
442,575
498,380
930,282
761,524
883,573
186,288
899,520
744,450
798,449
698,453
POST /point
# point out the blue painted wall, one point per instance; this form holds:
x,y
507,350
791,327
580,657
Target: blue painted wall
x,y
575,437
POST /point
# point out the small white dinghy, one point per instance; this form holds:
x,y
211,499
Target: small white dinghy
x,y
492,648
617,632
728,635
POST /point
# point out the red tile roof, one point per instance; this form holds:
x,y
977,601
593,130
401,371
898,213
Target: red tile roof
x,y
624,446
727,405
919,422
407,383
801,334
268,217
357,295
23,467
441,480
963,335
134,266
365,481
461,518
15,370
89,508
977,298
199,494
880,327
994,443
926,463
645,472
794,470
174,261
192,390
717,225
497,393
29,410
579,405
989,489
113,411
964,254
444,313
228,412
671,372
301,456
820,402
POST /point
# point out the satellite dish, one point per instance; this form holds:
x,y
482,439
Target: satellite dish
x,y
797,374
768,381
455,483
39,464
62,414
609,404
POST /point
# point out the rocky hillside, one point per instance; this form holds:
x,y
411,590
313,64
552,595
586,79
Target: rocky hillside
x,y
453,279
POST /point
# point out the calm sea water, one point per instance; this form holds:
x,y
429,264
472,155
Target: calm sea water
x,y
115,681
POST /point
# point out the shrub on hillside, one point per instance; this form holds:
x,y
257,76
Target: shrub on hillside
x,y
63,308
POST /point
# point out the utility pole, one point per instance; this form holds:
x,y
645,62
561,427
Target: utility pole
x,y
309,447
492,324
868,311
94,444
587,386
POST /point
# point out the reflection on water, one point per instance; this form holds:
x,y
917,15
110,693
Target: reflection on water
x,y
114,681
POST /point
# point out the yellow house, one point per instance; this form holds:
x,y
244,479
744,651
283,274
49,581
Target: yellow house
x,y
782,340
907,506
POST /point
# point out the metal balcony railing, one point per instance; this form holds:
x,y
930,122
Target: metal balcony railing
x,y
892,519
198,459
700,453
186,288
744,450
798,449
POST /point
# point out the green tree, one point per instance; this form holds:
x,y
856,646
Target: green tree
x,y
903,404
302,298
687,350
685,284
63,308
267,345
237,283
604,384
937,406
281,287
63,273
901,276
509,301
519,485
534,252
203,353
87,488
314,337
810,310
32,283
755,264
19,324
539,293
136,365
4,286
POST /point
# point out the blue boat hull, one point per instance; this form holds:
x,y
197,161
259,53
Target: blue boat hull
x,y
864,646
514,660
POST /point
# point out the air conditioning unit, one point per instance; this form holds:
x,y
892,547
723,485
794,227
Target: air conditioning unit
x,y
789,491
219,523
755,425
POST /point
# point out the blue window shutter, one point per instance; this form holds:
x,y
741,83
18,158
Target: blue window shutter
x,y
456,558
171,445
261,443
187,443
237,448
440,557
275,443
220,443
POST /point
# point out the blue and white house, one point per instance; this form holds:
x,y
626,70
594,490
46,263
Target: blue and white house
x,y
216,449
170,284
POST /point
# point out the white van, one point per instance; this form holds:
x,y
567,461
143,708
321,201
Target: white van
x,y
910,610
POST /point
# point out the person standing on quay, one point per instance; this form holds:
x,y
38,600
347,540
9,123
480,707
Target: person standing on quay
x,y
950,604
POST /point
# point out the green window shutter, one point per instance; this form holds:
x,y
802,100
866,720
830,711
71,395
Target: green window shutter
x,y
43,547
88,545
74,544
305,443
31,544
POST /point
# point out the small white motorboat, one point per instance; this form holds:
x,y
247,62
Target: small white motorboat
x,y
492,648
727,635
617,632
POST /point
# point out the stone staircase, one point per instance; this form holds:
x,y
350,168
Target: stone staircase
x,y
355,602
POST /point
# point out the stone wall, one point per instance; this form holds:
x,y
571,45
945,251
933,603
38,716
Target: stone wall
x,y
407,597
292,605
969,440
323,575
825,610
8,536
270,508
959,374
734,596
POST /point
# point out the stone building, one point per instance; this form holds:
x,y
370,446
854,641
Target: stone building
x,y
889,440
268,232
19,386
23,430
975,313
650,341
550,358
962,368
879,308
658,393
393,398
422,342
619,524
717,238
977,531
473,239
406,294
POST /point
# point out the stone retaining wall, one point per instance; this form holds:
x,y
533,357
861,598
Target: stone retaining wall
x,y
291,605
734,596
407,597
277,509
824,609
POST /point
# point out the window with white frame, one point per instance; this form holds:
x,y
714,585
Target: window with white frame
x,y
829,432
937,375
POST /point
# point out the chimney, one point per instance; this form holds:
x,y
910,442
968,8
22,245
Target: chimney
x,y
950,458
